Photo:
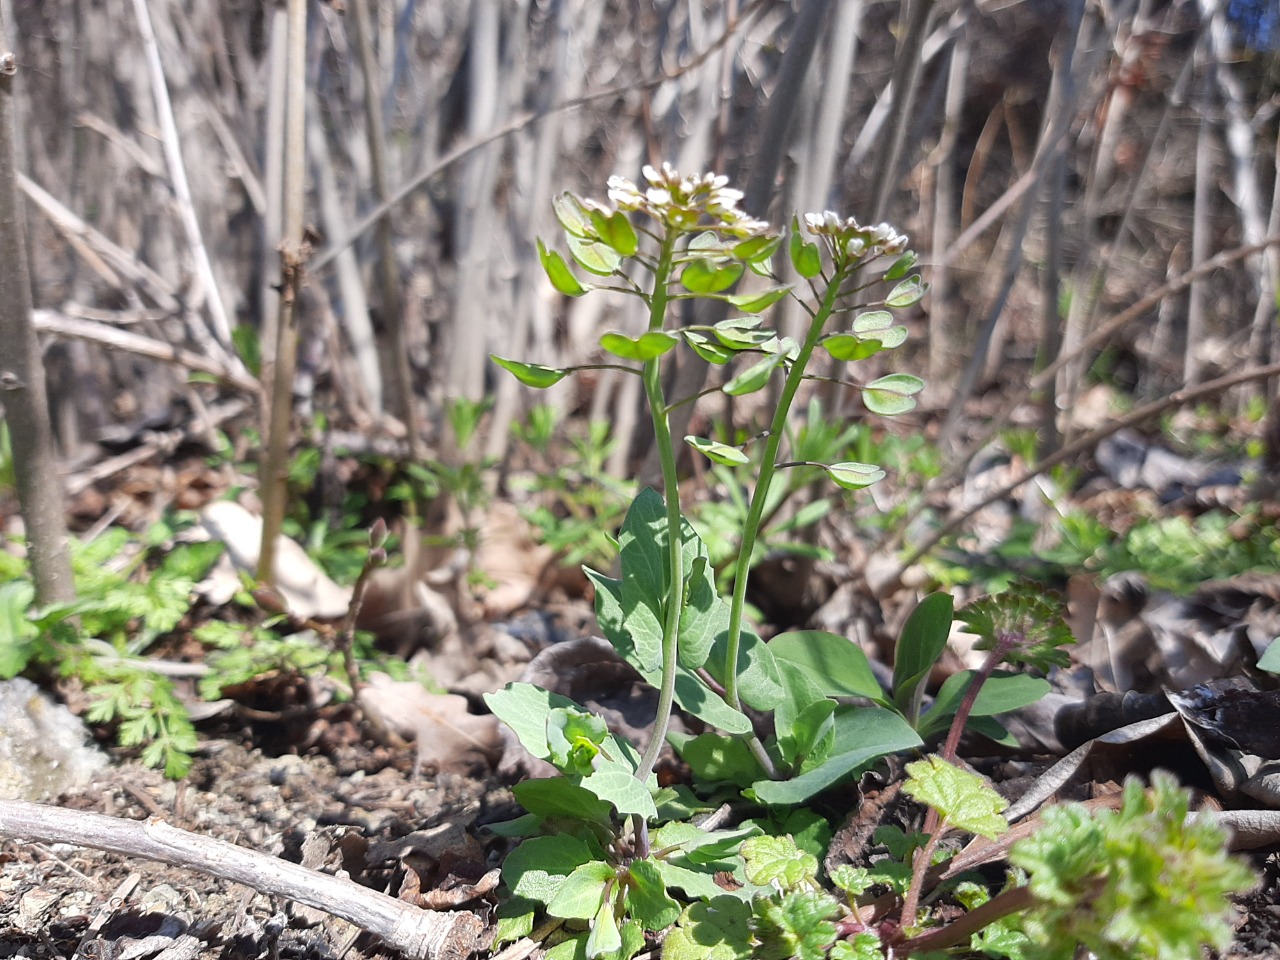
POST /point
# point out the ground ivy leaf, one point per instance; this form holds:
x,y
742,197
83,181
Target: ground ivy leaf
x,y
965,800
777,861
537,868
718,929
582,892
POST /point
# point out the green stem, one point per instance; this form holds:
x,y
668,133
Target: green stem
x,y
652,376
768,465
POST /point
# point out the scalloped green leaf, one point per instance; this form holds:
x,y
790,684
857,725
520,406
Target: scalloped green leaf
x,y
558,272
648,346
704,276
616,231
907,293
964,799
756,302
718,452
593,255
754,377
852,475
530,374
708,349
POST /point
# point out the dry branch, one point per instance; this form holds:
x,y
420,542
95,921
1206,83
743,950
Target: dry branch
x,y
416,932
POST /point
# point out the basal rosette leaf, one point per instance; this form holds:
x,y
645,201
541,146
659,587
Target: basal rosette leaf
x,y
647,897
924,637
539,867
835,664
582,892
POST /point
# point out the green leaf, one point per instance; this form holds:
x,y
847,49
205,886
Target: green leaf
x,y
717,759
190,561
593,255
574,948
756,302
923,638
558,272
899,268
561,797
797,928
704,276
616,231
1003,691
778,862
907,293
718,452
1270,659
836,665
647,897
716,929
572,215
515,920
525,709
707,349
17,632
248,347
741,333
863,734
812,734
574,738
758,681
891,395
754,377
582,893
648,346
848,347
530,374
537,868
757,250
878,325
965,800
805,256
630,623
620,788
853,476
605,937
700,617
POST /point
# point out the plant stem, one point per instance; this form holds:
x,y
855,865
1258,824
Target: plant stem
x,y
932,821
962,928
768,464
652,375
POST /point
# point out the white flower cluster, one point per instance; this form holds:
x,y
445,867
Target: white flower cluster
x,y
852,240
698,201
